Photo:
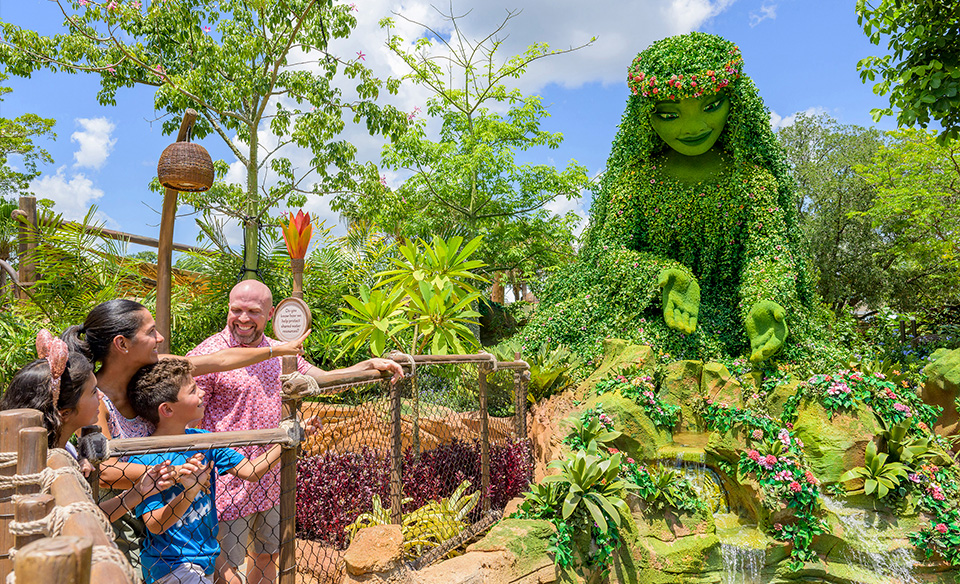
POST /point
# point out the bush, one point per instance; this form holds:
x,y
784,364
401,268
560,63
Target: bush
x,y
334,489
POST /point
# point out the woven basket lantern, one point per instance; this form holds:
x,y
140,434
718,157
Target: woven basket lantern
x,y
185,166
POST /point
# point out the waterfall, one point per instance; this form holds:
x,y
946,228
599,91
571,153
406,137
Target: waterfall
x,y
741,565
867,550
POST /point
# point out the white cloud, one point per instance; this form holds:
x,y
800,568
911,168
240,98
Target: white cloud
x,y
777,121
73,196
767,11
95,142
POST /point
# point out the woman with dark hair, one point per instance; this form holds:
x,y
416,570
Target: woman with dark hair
x,y
62,387
121,335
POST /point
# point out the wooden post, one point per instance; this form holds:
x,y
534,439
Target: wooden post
x,y
520,380
11,422
396,456
165,246
32,508
913,330
27,234
484,440
67,489
64,560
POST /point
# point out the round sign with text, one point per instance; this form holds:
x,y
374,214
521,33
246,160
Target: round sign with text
x,y
291,319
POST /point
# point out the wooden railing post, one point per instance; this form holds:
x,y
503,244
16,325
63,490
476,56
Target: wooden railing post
x,y
288,491
168,216
93,479
483,368
32,508
396,455
64,560
11,422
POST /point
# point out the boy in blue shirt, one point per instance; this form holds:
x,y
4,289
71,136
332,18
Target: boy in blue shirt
x,y
181,544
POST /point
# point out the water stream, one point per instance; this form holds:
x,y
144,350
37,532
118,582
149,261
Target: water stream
x,y
867,550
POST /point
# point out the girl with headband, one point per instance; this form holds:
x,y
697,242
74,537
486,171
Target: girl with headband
x,y
60,384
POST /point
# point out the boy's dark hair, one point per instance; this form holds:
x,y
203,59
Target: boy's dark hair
x,y
156,384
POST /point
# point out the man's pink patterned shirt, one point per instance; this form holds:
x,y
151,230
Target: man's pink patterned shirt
x,y
243,399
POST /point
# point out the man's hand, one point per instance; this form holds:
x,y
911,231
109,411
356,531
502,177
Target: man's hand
x,y
681,300
387,365
312,425
767,329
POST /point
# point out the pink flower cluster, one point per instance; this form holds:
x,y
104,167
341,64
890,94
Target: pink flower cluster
x,y
783,476
810,478
784,437
940,527
753,455
936,492
903,409
768,461
795,487
839,387
757,435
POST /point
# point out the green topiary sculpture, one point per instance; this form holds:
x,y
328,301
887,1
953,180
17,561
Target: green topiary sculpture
x,y
696,210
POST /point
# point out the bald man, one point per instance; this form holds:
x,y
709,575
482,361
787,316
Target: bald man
x,y
249,399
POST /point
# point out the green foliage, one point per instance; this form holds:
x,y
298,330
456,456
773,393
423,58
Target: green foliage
x,y
19,335
917,208
592,480
920,73
735,233
551,368
233,62
468,182
431,294
634,384
663,487
842,244
593,425
17,138
906,449
879,475
428,526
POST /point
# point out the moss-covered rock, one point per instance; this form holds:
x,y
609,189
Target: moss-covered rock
x,y
942,387
618,354
681,387
718,384
778,396
526,539
641,438
834,445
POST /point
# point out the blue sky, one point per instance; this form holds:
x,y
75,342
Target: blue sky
x,y
802,55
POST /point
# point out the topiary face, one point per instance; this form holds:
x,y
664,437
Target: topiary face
x,y
692,125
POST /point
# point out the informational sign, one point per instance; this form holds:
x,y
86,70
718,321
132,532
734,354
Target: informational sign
x,y
291,319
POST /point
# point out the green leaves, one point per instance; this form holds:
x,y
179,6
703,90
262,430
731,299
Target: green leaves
x,y
921,84
592,481
879,476
428,306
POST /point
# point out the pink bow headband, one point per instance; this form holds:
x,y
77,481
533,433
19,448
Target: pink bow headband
x,y
55,352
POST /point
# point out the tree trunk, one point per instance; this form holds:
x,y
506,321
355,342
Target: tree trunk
x,y
496,289
251,231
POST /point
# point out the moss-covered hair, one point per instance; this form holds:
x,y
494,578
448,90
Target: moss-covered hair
x,y
676,63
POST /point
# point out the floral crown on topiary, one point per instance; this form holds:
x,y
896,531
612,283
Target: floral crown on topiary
x,y
685,66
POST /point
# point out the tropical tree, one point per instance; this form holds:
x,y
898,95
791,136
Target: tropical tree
x,y
917,210
467,181
17,138
921,72
261,75
843,246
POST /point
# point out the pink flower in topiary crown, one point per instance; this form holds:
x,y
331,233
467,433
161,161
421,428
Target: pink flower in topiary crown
x,y
941,528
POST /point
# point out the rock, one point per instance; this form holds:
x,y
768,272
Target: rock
x,y
470,568
526,540
681,387
778,397
718,384
375,550
941,389
618,354
544,429
641,438
833,446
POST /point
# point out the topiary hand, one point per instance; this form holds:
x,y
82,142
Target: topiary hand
x,y
681,300
766,329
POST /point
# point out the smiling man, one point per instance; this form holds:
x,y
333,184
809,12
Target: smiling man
x,y
249,399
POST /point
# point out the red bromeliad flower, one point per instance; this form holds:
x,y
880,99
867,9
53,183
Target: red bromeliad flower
x,y
297,234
